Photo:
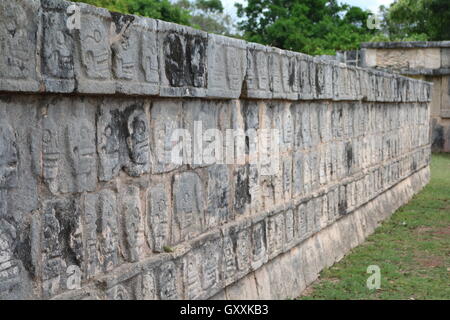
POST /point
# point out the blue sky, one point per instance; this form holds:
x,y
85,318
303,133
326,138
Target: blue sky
x,y
365,4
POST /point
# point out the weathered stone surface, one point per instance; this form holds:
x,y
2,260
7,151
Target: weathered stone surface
x,y
324,79
9,156
123,140
259,245
205,147
183,60
133,241
107,230
217,212
135,62
93,64
80,140
60,242
10,267
227,65
165,120
58,48
257,82
64,146
242,196
93,205
307,79
19,45
189,211
158,218
168,283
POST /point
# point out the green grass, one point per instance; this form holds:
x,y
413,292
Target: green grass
x,y
412,249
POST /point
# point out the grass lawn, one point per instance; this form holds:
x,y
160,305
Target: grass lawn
x,y
412,249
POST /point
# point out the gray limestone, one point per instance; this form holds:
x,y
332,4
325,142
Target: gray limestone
x,y
93,205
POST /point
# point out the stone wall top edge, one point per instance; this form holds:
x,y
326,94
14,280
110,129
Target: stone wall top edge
x,y
113,72
406,44
425,72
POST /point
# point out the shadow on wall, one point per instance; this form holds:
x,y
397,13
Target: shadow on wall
x,y
440,137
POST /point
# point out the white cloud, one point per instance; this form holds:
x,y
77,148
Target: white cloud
x,y
229,6
372,5
377,3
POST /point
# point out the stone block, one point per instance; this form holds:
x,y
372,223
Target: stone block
x,y
101,233
297,177
93,61
168,278
344,83
189,211
158,217
324,79
135,55
123,139
183,60
257,81
58,47
132,221
227,64
57,252
166,120
290,232
201,121
283,71
275,231
19,45
217,211
307,79
202,269
242,196
259,253
445,58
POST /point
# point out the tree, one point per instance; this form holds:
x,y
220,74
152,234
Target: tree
x,y
417,20
157,9
208,16
310,26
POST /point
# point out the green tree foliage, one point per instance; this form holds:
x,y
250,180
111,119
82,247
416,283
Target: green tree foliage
x,y
417,19
209,5
157,9
310,26
206,15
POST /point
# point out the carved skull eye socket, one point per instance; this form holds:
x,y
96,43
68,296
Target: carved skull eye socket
x,y
108,131
139,127
10,24
125,43
97,36
47,136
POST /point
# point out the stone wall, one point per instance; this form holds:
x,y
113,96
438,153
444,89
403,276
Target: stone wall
x,y
429,61
92,205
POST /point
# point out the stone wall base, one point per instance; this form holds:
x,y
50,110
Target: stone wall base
x,y
287,276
